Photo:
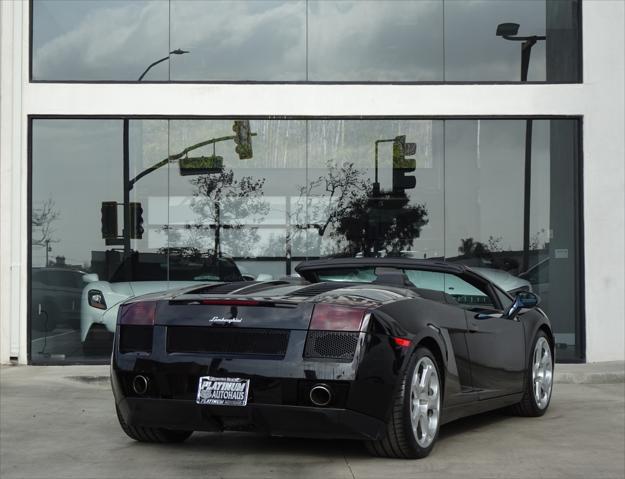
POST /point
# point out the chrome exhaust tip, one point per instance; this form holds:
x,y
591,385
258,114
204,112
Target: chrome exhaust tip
x,y
140,384
320,395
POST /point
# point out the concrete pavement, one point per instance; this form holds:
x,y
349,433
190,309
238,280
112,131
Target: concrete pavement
x,y
58,422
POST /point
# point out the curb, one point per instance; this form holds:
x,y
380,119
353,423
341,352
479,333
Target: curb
x,y
610,372
589,378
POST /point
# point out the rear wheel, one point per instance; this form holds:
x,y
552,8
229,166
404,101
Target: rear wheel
x,y
539,381
152,434
415,419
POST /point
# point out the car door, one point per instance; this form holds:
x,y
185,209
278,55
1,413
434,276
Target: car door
x,y
451,320
495,343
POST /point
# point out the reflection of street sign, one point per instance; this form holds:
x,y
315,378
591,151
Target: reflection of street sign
x,y
243,139
200,165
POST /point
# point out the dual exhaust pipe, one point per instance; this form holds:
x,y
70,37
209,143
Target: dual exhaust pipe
x,y
140,384
320,395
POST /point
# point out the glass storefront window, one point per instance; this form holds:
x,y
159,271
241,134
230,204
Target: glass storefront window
x,y
392,40
474,53
306,40
106,40
199,211
261,40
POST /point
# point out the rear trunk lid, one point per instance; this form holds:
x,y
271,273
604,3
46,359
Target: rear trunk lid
x,y
238,312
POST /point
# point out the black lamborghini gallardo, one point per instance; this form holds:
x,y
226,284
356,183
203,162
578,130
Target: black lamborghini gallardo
x,y
382,350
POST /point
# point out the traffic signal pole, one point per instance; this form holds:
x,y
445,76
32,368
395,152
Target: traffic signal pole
x,y
127,188
177,156
130,183
376,184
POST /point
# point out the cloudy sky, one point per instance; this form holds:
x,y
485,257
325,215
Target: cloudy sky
x,y
267,40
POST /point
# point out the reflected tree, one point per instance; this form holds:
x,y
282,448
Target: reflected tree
x,y
473,249
324,201
41,222
222,201
380,226
342,206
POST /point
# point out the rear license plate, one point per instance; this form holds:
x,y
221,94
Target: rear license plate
x,y
222,391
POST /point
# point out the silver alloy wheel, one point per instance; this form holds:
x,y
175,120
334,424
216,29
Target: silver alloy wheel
x,y
425,402
542,373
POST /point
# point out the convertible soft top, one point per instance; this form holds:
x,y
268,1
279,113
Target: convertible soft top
x,y
307,269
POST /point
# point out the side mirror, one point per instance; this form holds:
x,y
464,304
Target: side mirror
x,y
90,278
523,300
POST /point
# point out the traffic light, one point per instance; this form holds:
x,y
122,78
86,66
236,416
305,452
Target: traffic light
x,y
135,212
109,219
403,165
243,139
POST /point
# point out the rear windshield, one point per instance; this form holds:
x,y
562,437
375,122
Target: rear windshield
x,y
181,268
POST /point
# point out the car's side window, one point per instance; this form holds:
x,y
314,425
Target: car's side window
x,y
463,292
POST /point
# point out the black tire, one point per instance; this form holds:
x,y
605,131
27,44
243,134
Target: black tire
x,y
399,439
152,434
46,321
528,407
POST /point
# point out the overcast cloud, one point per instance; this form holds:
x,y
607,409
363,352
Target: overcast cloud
x,y
378,40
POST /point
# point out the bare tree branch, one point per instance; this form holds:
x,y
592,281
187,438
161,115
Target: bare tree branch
x,y
41,223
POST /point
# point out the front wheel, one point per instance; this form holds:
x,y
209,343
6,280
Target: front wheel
x,y
539,383
413,426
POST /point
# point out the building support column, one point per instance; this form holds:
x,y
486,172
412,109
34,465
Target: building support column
x,y
13,183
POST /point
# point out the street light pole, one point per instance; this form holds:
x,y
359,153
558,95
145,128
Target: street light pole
x,y
508,31
178,51
126,165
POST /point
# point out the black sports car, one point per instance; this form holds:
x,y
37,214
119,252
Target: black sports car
x,y
383,350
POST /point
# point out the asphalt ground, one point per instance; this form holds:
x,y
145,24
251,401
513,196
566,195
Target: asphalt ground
x,y
58,422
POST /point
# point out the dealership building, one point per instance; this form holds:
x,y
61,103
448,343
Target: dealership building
x,y
147,144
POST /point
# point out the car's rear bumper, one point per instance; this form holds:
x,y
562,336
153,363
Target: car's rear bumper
x,y
278,420
279,395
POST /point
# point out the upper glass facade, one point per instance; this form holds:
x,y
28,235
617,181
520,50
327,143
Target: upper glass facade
x,y
309,189
306,40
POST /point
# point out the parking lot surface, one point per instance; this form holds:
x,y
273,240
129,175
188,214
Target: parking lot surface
x,y
58,422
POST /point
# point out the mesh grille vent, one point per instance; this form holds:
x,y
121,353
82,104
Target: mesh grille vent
x,y
331,345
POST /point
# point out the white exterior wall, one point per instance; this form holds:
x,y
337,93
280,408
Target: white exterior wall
x,y
600,100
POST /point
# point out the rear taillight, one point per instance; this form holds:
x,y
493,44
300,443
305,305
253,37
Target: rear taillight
x,y
332,317
140,313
